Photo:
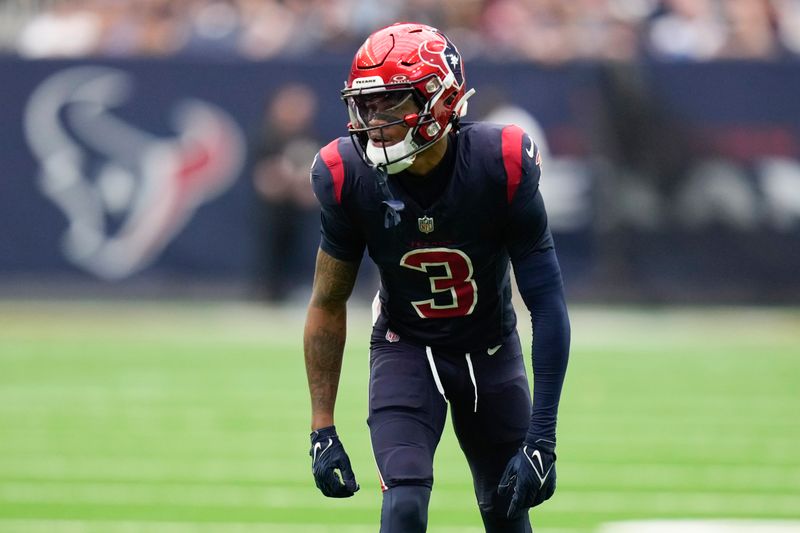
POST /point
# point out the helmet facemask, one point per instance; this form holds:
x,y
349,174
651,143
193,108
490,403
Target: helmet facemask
x,y
377,115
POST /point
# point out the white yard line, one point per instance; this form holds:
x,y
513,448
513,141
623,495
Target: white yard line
x,y
702,526
677,502
254,468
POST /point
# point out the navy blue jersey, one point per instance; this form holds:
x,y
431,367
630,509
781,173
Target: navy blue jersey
x,y
445,269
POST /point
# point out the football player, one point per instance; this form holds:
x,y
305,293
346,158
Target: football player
x,y
444,208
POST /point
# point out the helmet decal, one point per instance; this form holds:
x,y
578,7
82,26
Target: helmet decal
x,y
453,60
446,59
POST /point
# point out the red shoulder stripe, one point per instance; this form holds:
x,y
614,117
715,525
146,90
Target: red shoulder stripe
x,y
512,158
333,160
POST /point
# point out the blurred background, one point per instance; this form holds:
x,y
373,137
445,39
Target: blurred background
x,y
158,238
161,147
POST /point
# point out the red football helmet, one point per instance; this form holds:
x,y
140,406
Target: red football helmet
x,y
415,71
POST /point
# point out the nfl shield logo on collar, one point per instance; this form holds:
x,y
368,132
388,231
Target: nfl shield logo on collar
x,y
425,224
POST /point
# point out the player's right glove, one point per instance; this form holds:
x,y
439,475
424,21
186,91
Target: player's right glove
x,y
530,476
330,464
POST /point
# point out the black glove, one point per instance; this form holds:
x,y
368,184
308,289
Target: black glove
x,y
330,464
530,476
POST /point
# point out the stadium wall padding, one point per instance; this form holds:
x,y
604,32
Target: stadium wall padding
x,y
664,181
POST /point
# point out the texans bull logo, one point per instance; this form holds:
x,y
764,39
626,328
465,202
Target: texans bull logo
x,y
125,192
445,58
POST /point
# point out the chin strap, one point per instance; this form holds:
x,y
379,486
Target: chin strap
x,y
461,108
393,206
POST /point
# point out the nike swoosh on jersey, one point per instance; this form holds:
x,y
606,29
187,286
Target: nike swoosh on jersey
x,y
492,351
529,151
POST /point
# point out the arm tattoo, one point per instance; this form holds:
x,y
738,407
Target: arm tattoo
x,y
325,330
323,366
333,281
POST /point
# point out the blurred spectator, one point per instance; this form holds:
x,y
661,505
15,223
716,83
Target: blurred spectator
x,y
688,29
159,26
787,17
214,29
288,216
269,28
535,31
70,29
544,31
751,33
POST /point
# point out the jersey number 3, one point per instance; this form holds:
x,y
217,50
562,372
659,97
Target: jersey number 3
x,y
457,281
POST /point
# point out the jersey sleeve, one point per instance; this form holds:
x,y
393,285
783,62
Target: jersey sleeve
x,y
527,231
538,275
341,237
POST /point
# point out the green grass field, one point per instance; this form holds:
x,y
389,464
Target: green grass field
x,y
194,417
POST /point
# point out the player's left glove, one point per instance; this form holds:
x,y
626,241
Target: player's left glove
x,y
330,464
530,476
